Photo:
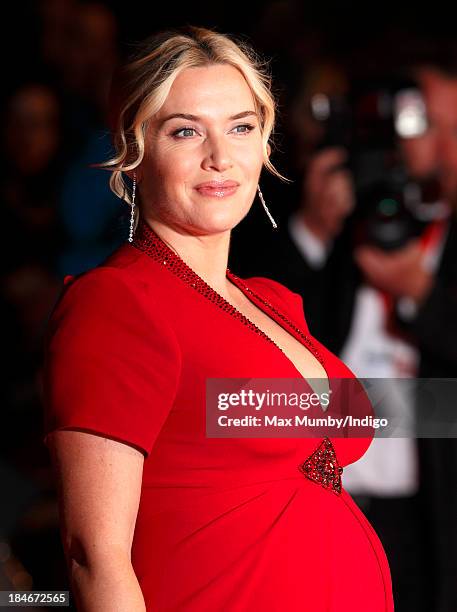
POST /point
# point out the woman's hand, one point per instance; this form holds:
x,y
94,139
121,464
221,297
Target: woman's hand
x,y
99,486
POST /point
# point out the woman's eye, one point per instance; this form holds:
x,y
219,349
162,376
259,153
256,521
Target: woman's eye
x,y
247,127
186,130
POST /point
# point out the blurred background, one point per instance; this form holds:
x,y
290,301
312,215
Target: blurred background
x,y
367,132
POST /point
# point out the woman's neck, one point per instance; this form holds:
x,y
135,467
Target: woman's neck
x,y
206,254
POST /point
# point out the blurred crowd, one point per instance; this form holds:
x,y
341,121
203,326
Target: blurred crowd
x,y
59,217
367,235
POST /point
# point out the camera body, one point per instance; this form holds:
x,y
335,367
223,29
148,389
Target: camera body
x,y
369,122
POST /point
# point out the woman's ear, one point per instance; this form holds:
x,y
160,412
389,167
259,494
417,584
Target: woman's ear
x,y
268,149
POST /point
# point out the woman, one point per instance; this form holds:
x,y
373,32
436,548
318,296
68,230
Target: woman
x,y
155,515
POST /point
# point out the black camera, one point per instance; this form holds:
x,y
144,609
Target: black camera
x,y
392,207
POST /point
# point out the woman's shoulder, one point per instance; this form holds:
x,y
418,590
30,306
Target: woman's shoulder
x,y
104,307
117,287
112,360
101,288
121,272
278,295
275,289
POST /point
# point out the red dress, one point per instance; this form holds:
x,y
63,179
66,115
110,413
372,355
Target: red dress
x,y
223,524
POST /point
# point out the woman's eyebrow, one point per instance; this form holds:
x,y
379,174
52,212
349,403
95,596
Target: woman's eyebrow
x,y
195,118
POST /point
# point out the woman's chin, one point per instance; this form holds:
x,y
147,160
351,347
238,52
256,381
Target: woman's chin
x,y
217,224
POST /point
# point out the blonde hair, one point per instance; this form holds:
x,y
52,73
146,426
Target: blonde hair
x,y
141,86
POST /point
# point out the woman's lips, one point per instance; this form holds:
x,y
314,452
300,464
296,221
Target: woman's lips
x,y
217,188
220,191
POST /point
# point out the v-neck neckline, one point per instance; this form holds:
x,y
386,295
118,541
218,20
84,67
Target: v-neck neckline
x,y
148,241
278,316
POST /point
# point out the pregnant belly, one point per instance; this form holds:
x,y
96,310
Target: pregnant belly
x,y
284,545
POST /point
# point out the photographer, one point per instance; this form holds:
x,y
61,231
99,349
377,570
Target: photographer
x,y
425,293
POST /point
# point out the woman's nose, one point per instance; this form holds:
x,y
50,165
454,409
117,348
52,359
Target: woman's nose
x,y
217,155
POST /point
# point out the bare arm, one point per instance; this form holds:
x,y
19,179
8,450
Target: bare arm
x,y
99,486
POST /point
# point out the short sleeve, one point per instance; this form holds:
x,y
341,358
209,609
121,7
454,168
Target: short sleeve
x,y
111,360
291,302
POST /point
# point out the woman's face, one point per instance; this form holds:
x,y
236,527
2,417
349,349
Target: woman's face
x,y
207,131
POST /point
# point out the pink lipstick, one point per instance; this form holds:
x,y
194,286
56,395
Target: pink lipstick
x,y
217,189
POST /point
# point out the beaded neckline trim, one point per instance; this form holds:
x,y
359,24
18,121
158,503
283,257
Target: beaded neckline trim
x,y
148,241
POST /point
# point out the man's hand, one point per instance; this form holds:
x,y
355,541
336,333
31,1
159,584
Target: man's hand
x,y
328,194
400,273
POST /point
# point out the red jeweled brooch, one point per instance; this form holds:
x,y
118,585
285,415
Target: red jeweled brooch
x,y
323,468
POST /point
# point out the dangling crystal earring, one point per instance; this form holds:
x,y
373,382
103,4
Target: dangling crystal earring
x,y
273,222
132,211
